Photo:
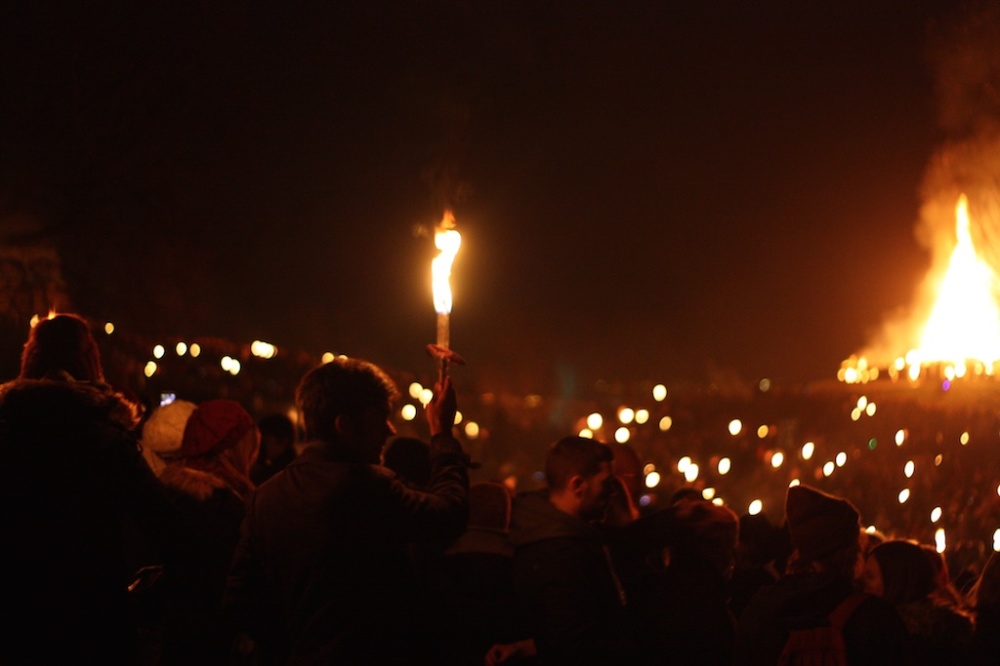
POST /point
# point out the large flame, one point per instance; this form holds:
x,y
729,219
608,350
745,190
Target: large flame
x,y
964,324
447,241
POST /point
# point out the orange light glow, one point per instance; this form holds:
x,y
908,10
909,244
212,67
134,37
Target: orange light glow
x,y
447,241
965,320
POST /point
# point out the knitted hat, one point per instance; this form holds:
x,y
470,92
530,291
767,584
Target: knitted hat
x,y
820,524
163,432
216,425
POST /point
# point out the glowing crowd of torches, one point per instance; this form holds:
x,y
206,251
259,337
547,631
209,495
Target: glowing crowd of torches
x,y
966,290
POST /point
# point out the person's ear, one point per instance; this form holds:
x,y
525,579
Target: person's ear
x,y
577,485
345,426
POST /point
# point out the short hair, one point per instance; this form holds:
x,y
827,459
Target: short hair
x,y
344,386
62,344
574,456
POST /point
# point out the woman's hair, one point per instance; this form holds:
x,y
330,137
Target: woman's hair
x,y
61,345
907,573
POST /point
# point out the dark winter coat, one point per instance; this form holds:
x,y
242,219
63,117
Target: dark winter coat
x,y
568,584
195,629
73,475
324,543
874,634
938,633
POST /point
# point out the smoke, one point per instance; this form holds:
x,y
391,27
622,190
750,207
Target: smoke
x,y
964,57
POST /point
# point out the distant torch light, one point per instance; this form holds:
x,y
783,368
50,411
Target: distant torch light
x,y
755,507
691,473
735,427
666,423
626,415
595,421
622,435
659,393
725,464
652,479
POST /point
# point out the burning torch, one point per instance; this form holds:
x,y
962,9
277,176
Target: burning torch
x,y
447,241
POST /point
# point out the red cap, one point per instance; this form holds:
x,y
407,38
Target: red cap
x,y
215,426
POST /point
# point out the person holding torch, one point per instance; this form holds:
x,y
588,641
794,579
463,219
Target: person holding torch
x,y
321,574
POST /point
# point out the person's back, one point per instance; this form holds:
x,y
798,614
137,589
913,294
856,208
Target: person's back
x,y
324,541
72,473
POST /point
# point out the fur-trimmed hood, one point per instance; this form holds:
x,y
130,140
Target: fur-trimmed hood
x,y
53,406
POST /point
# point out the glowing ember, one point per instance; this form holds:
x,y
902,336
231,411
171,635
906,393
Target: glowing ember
x,y
965,321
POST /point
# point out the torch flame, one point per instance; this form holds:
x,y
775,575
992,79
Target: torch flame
x,y
447,241
964,323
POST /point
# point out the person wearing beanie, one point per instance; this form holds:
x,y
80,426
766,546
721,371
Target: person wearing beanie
x,y
208,478
163,433
821,578
75,481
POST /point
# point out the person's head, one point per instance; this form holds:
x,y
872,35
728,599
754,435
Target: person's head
x,y
62,344
899,572
577,470
704,532
277,434
348,400
410,459
163,433
825,532
220,438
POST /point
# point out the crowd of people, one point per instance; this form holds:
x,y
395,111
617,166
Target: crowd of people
x,y
194,534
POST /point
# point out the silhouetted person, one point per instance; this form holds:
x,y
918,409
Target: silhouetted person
x,y
682,608
899,572
563,569
410,459
322,557
73,474
209,483
825,533
277,447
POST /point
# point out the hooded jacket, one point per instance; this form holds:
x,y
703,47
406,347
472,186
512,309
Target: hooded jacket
x,y
73,475
567,581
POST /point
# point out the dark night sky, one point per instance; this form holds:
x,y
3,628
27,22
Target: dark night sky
x,y
645,190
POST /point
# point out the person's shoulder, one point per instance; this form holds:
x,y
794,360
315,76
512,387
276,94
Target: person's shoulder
x,y
34,400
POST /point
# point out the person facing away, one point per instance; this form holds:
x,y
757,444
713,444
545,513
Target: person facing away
x,y
209,483
277,447
563,571
900,572
73,477
821,573
321,573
